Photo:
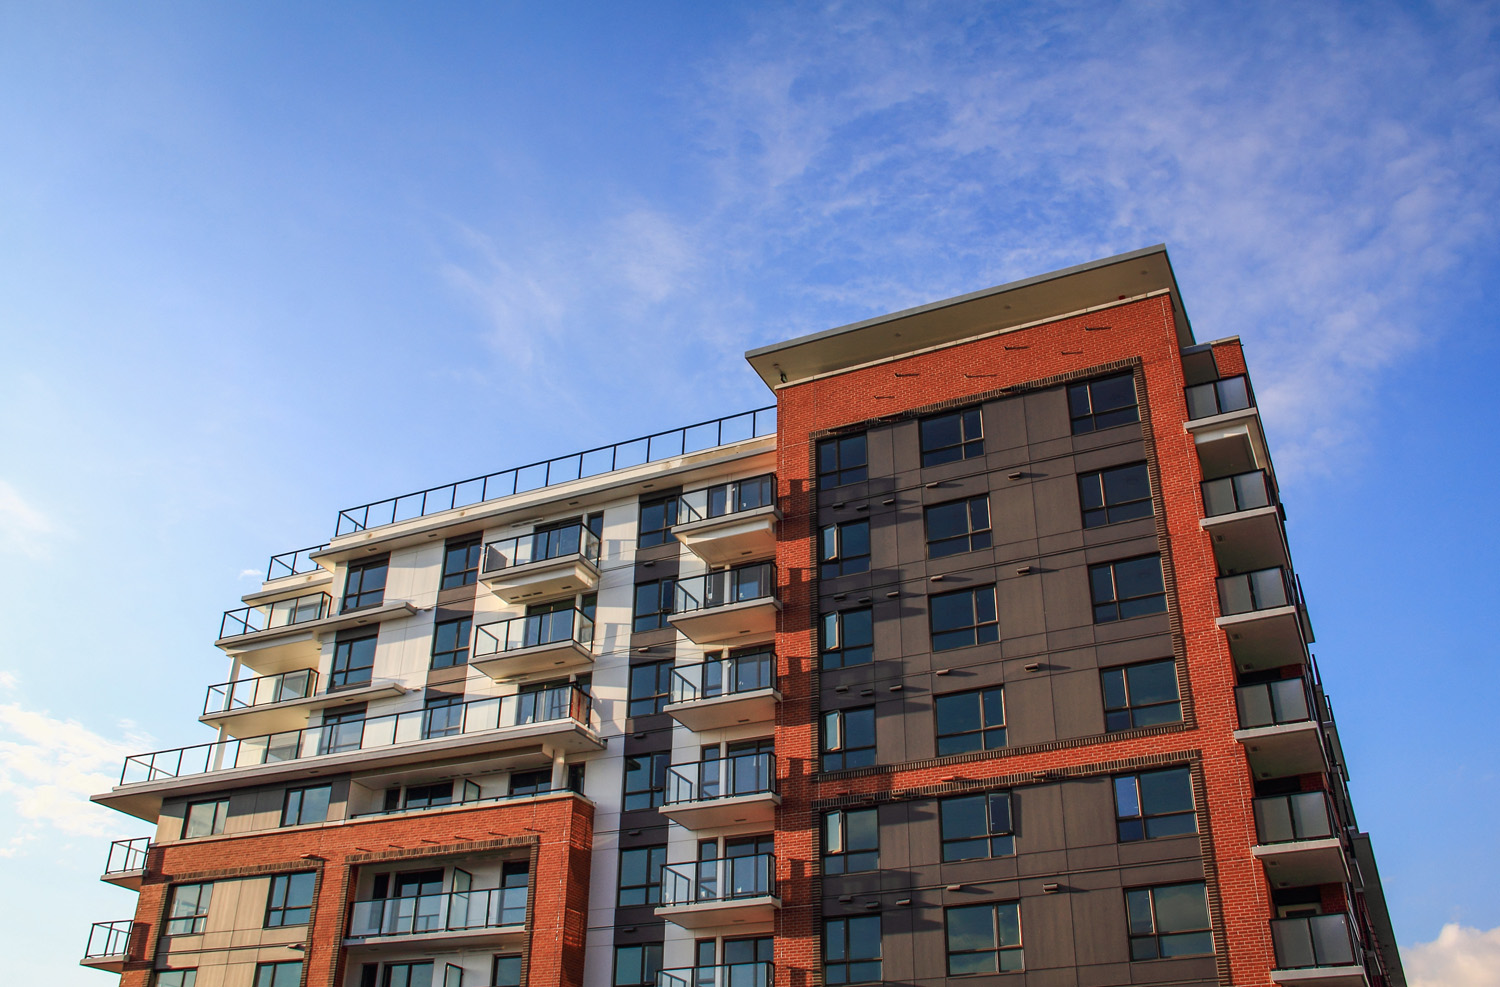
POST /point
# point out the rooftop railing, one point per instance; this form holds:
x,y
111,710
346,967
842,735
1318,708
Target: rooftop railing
x,y
453,911
1247,592
533,631
755,581
1313,941
550,543
229,697
726,879
1294,817
724,499
127,855
724,676
109,939
1267,704
549,472
1219,397
1240,492
724,777
293,563
565,702
270,616
727,975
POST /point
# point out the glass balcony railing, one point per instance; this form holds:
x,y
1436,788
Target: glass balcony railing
x,y
1247,592
533,631
269,616
453,911
109,939
558,704
1269,704
127,855
1232,494
229,697
727,498
551,543
724,677
727,975
1313,941
756,581
1292,818
724,777
293,563
727,879
1219,397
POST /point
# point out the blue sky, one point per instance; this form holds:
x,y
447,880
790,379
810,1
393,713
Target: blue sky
x,y
262,262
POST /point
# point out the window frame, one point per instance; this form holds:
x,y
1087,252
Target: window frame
x,y
671,508
986,731
643,967
661,673
839,857
650,891
269,974
282,909
340,678
543,786
968,446
999,840
1130,709
837,754
666,594
197,920
1114,416
1133,896
832,625
839,563
442,716
460,644
1095,484
841,927
358,595
216,822
473,548
842,473
974,539
985,628
1139,819
186,977
655,764
301,793
495,969
1007,957
1112,609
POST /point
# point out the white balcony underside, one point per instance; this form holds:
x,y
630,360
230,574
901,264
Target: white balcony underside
x,y
1247,541
555,657
1265,638
1284,750
731,538
504,936
547,579
736,916
736,709
1324,976
1303,863
758,810
292,714
281,649
750,622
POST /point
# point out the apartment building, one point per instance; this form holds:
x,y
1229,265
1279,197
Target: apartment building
x,y
978,656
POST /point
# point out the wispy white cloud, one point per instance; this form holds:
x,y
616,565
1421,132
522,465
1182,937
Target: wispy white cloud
x,y
24,528
1458,957
49,768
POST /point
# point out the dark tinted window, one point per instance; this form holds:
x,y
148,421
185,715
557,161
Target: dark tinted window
x,y
1169,920
640,875
949,438
1119,494
962,526
847,638
984,938
365,585
1129,588
842,461
1103,403
653,603
971,721
1141,695
657,518
650,688
844,549
977,826
851,841
460,562
450,643
848,738
290,901
964,618
646,780
1155,803
352,662
851,950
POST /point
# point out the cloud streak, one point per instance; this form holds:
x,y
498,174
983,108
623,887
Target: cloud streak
x,y
1458,957
24,528
49,768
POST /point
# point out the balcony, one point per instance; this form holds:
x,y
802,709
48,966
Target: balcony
x,y
281,702
500,733
1244,521
1299,840
729,606
1281,737
731,691
282,635
736,790
728,975
109,945
1263,619
452,920
296,563
729,522
542,642
126,864
1225,426
543,565
734,893
1317,951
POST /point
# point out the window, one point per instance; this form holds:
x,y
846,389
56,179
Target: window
x,y
637,965
646,780
640,875
848,638
352,663
851,841
842,461
657,518
450,642
205,818
1218,397
650,688
962,526
408,975
1169,920
422,796
963,619
1112,495
1141,695
507,971
949,438
844,549
849,738
342,730
1103,403
984,938
443,716
971,721
287,974
1131,588
365,585
851,950
530,782
290,901
1155,803
189,909
653,603
461,562
977,826
306,805
177,978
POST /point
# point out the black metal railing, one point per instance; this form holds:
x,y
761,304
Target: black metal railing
x,y
724,677
724,499
723,777
560,703
1247,592
293,563
127,855
1219,397
270,616
533,631
575,466
725,879
452,911
756,581
551,543
1267,704
1240,492
1289,818
1313,941
109,939
264,690
726,975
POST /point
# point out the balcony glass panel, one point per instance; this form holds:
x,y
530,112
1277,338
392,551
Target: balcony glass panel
x,y
1231,494
728,975
533,631
1289,818
724,677
127,855
109,939
1273,703
226,697
454,911
726,879
727,498
1314,941
1265,589
725,777
269,616
1218,397
548,543
756,581
293,563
